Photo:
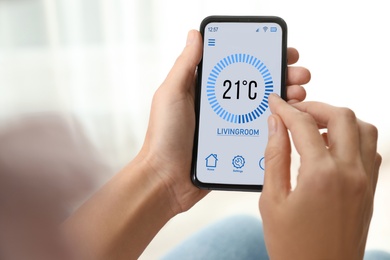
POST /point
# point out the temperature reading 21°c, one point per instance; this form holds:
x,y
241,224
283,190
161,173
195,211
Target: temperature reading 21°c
x,y
238,88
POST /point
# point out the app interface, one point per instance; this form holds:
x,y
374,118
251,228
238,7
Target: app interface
x,y
241,68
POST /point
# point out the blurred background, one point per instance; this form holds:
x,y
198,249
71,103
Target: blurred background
x,y
98,63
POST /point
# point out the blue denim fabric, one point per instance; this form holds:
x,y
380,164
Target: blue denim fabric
x,y
236,237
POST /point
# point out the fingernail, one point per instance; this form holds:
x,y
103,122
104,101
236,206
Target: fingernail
x,y
190,38
272,126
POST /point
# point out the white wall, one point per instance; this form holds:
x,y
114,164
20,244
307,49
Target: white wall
x,y
103,59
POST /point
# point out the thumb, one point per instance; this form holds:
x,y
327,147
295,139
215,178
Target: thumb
x,y
277,159
182,73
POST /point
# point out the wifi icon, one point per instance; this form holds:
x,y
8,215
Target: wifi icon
x,y
265,28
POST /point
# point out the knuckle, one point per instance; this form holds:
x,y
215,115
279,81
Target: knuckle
x,y
359,183
378,159
371,131
347,113
327,176
340,177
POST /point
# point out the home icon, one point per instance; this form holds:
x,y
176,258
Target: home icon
x,y
211,161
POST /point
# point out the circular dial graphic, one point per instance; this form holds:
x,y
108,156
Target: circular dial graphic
x,y
238,87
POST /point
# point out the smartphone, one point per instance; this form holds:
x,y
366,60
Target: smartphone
x,y
244,61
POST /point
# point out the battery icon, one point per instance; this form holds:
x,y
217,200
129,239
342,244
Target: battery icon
x,y
273,29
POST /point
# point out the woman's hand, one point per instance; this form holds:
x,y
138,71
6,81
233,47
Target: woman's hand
x,y
327,215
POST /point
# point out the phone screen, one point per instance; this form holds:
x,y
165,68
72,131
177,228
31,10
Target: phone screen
x,y
244,61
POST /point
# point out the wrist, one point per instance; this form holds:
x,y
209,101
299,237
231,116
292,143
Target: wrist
x,y
130,209
155,189
155,175
173,178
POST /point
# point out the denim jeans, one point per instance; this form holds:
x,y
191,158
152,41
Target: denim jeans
x,y
237,237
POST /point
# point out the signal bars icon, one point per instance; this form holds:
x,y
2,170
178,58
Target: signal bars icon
x,y
265,29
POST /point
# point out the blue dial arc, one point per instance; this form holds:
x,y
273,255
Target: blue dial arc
x,y
212,81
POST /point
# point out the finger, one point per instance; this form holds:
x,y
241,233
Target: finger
x,y
325,137
368,145
295,93
297,76
292,55
277,159
304,131
375,174
182,73
343,130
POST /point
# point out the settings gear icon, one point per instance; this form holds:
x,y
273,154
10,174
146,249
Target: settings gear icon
x,y
238,162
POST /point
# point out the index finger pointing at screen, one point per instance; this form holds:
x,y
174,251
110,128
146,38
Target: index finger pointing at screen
x,y
306,137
